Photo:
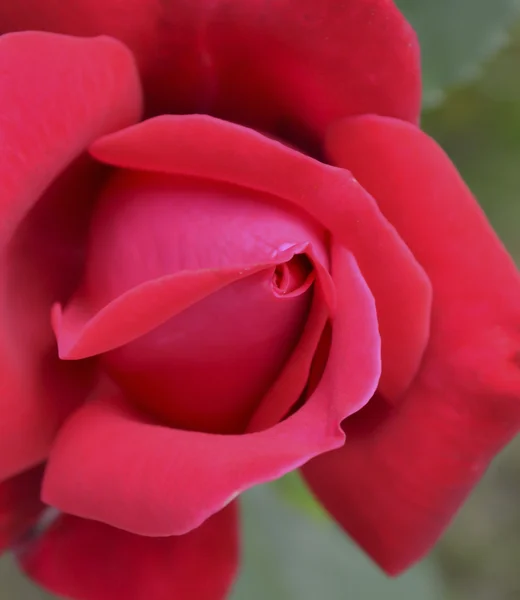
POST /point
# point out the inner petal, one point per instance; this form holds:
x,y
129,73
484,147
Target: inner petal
x,y
208,367
294,276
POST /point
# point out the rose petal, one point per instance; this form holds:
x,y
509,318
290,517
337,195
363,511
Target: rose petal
x,y
403,473
212,149
290,67
179,287
209,364
156,481
292,381
82,332
208,368
139,272
165,38
57,94
86,560
20,505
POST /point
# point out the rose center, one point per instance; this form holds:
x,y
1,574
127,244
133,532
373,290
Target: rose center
x,y
208,367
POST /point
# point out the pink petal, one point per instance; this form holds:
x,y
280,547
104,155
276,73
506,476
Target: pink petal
x,y
208,148
86,560
110,465
289,67
403,473
81,334
191,267
20,505
57,94
289,387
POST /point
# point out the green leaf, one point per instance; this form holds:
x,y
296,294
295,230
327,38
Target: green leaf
x,y
457,37
294,490
289,556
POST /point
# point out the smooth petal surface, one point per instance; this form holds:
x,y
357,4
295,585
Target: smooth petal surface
x,y
81,334
218,279
20,505
292,67
152,480
86,560
208,148
289,66
289,387
403,473
57,94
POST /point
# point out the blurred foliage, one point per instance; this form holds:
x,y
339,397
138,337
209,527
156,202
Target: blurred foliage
x,y
288,555
456,37
15,587
479,127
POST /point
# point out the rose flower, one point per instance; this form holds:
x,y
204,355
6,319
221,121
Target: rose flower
x,y
227,251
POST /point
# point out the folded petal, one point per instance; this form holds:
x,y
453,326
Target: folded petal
x,y
83,332
110,464
403,473
292,382
208,148
20,505
86,560
289,67
57,94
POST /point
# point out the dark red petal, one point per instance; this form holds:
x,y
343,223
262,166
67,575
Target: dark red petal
x,y
57,94
110,465
208,148
288,66
86,560
292,67
292,381
165,38
403,473
20,505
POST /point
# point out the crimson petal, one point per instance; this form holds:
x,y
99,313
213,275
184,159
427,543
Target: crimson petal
x,y
292,67
57,94
286,66
86,560
403,473
83,332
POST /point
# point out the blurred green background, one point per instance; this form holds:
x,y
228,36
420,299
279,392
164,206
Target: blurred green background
x,y
471,57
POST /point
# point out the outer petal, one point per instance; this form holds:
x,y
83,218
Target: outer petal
x,y
57,94
403,473
20,505
86,560
294,66
163,36
156,481
208,148
286,66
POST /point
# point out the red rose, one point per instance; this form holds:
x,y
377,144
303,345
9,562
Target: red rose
x,y
195,303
